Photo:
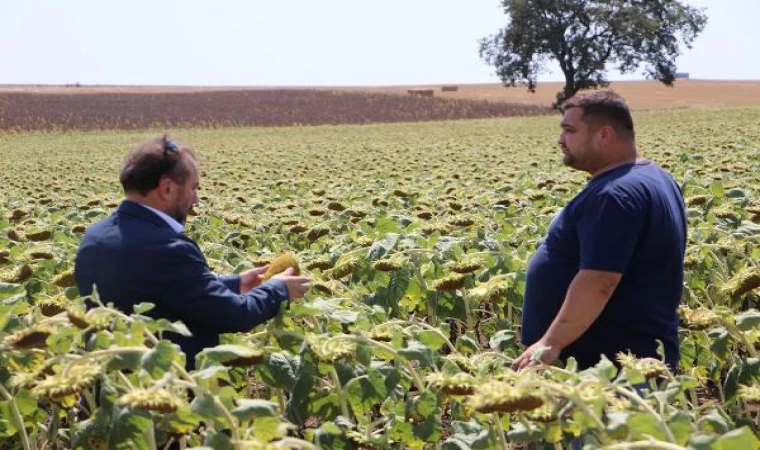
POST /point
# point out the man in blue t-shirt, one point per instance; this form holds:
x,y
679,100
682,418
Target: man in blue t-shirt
x,y
608,277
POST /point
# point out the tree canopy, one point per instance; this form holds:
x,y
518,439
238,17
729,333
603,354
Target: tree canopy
x,y
587,36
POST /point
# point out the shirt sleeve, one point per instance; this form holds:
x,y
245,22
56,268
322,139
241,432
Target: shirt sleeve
x,y
198,296
609,225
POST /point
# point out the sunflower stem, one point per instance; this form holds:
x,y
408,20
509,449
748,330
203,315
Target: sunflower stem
x,y
151,437
429,328
468,313
634,397
341,395
103,353
28,444
739,336
583,406
500,431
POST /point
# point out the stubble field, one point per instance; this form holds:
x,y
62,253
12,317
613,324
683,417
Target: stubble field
x,y
418,236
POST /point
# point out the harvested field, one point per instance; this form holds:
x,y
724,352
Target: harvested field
x,y
641,95
50,109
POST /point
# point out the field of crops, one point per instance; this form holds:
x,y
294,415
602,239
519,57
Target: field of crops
x,y
82,109
418,237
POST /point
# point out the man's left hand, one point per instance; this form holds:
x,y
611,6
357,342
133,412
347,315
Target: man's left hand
x,y
251,278
540,352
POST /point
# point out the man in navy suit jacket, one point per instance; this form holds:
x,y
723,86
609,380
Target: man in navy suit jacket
x,y
139,254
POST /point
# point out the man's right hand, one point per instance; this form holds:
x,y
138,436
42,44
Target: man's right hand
x,y
297,285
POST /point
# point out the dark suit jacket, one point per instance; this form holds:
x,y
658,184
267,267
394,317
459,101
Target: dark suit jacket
x,y
134,256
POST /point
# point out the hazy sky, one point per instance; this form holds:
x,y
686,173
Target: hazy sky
x,y
300,42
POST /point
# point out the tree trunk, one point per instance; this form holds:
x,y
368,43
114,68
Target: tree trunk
x,y
570,87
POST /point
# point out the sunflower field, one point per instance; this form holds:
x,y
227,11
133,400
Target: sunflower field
x,y
417,237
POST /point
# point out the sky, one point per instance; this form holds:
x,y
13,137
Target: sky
x,y
301,42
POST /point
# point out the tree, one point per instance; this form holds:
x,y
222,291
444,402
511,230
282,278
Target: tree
x,y
585,36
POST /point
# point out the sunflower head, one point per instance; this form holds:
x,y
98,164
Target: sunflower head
x,y
750,394
727,213
297,228
385,332
390,264
330,350
462,221
65,279
280,264
431,228
39,235
19,275
14,235
329,287
342,270
322,263
457,384
451,282
648,367
77,318
364,241
467,265
74,380
697,200
461,361
156,400
498,396
317,232
52,306
30,338
335,206
697,319
548,412
743,282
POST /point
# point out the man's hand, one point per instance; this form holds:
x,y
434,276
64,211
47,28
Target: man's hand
x,y
297,285
251,278
540,352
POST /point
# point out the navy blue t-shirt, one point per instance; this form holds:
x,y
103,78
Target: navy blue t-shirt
x,y
629,220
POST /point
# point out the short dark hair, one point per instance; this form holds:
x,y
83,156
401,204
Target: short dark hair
x,y
603,107
148,162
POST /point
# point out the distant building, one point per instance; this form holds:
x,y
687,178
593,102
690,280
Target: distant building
x,y
682,75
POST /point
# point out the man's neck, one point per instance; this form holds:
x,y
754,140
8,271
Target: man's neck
x,y
171,221
629,158
146,200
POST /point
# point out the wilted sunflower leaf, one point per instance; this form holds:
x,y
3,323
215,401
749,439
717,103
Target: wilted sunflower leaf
x,y
247,409
383,246
158,360
417,351
740,438
129,428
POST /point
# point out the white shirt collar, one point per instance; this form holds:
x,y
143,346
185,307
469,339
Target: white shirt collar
x,y
176,226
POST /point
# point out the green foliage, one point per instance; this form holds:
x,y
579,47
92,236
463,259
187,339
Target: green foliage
x,y
585,37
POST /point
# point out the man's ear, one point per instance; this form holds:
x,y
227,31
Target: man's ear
x,y
165,188
605,134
